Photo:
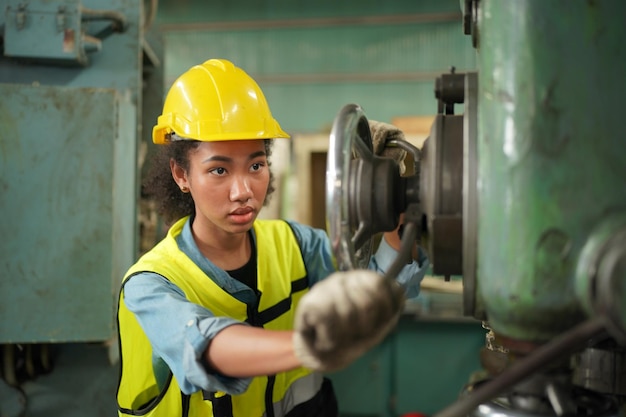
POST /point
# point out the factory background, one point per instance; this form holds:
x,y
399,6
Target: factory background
x,y
84,81
310,59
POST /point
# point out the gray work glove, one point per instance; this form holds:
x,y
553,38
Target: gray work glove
x,y
343,316
381,134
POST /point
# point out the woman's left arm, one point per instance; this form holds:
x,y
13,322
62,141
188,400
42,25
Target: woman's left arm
x,y
412,274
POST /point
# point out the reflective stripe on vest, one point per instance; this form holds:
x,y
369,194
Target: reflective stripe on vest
x,y
281,281
299,392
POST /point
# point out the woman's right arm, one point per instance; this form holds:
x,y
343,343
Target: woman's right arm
x,y
244,351
202,350
179,332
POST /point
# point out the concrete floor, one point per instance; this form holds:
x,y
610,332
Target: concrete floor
x,y
82,382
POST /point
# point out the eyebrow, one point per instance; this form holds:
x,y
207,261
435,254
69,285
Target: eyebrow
x,y
222,158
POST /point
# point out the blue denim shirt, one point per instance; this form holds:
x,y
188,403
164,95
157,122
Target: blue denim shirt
x,y
180,331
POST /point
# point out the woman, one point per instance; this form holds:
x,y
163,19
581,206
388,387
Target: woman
x,y
206,318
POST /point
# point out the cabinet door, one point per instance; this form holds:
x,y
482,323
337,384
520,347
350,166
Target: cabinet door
x,y
433,361
363,389
421,367
68,204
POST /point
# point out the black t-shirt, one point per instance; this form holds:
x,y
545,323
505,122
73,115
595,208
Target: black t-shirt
x,y
247,273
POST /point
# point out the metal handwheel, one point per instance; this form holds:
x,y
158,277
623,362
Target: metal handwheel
x,y
349,137
364,192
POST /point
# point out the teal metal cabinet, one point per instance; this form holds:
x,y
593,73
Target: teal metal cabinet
x,y
421,367
433,360
68,179
363,389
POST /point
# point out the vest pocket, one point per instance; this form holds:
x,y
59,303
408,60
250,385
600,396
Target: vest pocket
x,y
145,399
148,400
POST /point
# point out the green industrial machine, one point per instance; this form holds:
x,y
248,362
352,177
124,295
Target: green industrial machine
x,y
72,79
521,189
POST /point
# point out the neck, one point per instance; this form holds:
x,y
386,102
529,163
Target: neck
x,y
228,251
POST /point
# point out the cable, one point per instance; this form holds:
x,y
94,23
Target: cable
x,y
563,344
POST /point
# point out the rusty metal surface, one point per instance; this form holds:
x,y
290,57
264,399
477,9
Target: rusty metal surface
x,y
67,176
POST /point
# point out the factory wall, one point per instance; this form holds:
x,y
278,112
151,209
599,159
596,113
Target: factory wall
x,y
311,58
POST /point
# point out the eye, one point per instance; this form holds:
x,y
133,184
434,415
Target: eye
x,y
219,171
257,166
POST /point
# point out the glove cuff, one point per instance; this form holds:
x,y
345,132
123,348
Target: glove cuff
x,y
340,358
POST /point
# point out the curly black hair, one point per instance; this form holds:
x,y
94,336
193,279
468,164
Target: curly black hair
x,y
159,185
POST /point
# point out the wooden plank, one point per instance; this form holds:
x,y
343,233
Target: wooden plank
x,y
413,124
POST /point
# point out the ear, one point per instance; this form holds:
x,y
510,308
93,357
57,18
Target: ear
x,y
179,175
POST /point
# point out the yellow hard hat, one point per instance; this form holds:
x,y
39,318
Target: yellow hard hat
x,y
215,101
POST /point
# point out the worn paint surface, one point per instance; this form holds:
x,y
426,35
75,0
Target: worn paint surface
x,y
68,164
551,164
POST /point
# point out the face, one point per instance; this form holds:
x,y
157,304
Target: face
x,y
228,182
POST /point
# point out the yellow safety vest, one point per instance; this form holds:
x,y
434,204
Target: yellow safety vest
x,y
282,282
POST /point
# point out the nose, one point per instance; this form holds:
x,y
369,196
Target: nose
x,y
240,189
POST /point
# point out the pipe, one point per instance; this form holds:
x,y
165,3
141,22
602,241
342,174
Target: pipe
x,y
312,22
119,20
565,343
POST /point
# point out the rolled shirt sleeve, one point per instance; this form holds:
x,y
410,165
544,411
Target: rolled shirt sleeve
x,y
410,276
170,322
320,263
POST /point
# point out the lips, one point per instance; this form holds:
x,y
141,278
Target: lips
x,y
242,211
242,215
